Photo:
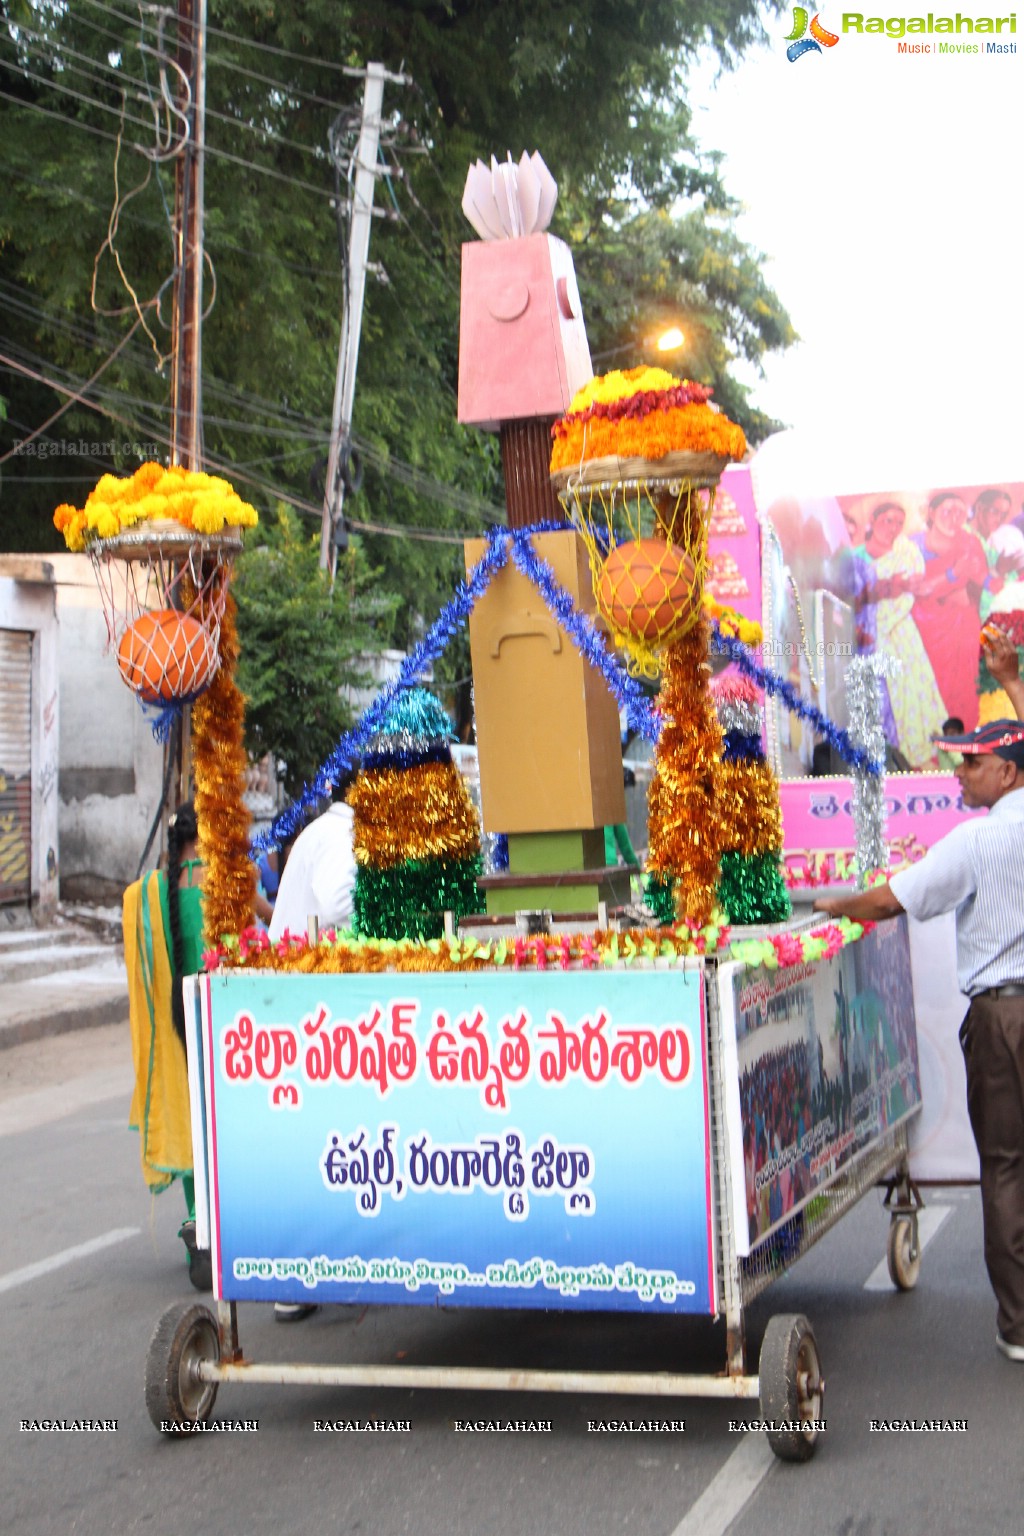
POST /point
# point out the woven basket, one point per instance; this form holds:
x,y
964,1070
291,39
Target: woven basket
x,y
702,469
162,536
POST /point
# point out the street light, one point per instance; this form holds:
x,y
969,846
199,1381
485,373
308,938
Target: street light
x,y
667,341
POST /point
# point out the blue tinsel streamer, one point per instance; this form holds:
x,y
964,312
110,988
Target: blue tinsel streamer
x,y
499,852
416,664
589,641
741,749
772,683
586,637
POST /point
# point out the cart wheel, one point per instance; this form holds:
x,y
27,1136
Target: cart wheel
x,y
903,1253
184,1337
791,1386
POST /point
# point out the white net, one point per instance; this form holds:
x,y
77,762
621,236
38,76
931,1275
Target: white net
x,y
163,600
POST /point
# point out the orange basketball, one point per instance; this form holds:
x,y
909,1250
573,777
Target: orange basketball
x,y
166,655
646,589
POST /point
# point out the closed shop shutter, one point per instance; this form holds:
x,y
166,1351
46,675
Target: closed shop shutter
x,y
15,766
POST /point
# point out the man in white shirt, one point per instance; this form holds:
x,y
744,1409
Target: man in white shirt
x,y
977,871
320,875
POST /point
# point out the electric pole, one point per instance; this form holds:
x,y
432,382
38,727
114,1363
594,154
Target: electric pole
x,y
187,310
360,216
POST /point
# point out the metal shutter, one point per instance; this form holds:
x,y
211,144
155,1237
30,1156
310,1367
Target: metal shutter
x,y
15,766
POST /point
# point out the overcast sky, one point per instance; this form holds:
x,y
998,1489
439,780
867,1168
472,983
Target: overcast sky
x,y
885,190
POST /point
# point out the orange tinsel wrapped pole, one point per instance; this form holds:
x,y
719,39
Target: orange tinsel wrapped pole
x,y
219,764
686,832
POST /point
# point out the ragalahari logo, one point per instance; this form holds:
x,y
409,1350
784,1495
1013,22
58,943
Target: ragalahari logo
x,y
799,44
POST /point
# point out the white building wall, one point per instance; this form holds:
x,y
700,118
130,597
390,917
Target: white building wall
x,y
111,768
27,603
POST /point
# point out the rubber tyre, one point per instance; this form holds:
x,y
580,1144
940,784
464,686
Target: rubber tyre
x,y
904,1265
791,1387
185,1335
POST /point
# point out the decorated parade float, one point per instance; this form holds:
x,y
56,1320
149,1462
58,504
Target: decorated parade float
x,y
525,1088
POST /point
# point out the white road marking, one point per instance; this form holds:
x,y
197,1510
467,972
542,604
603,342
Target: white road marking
x,y
731,1488
928,1223
17,1277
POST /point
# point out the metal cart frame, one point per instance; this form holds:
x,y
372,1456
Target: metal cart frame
x,y
193,1350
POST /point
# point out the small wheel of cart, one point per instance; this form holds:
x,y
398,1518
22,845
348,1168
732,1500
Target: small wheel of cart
x,y
791,1386
185,1337
903,1252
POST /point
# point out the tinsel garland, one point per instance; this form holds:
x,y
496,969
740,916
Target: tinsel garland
x,y
220,764
402,758
586,637
337,954
579,626
752,889
864,706
409,900
738,748
422,813
772,683
684,816
748,804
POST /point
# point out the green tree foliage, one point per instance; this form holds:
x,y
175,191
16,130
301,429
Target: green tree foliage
x,y
598,89
301,643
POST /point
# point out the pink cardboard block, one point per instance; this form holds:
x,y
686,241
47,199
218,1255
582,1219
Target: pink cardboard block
x,y
523,349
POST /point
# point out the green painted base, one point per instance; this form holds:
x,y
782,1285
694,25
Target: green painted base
x,y
552,853
507,895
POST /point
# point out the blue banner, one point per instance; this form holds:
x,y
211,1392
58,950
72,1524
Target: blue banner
x,y
488,1139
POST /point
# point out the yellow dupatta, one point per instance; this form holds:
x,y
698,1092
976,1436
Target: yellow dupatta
x,y
160,1101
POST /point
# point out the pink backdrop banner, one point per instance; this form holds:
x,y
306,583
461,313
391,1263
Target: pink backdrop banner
x,y
817,823
734,546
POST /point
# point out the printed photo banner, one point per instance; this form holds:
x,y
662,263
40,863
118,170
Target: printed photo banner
x,y
489,1140
818,831
917,571
820,1062
734,547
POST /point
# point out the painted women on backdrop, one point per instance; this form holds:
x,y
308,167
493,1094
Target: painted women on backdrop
x,y
1004,549
947,601
914,698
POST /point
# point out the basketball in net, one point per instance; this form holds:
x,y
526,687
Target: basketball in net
x,y
166,655
646,589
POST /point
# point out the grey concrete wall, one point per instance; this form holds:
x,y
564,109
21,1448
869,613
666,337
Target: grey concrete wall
x,y
110,766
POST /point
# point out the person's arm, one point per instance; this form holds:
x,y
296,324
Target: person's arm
x,y
863,906
1004,665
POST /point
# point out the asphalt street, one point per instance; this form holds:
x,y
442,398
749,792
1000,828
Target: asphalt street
x,y
88,1262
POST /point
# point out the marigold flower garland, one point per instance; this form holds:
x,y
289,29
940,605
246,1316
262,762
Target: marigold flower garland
x,y
642,413
219,764
340,953
783,950
205,503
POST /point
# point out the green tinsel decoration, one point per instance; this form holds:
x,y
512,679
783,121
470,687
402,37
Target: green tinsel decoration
x,y
752,890
408,901
658,896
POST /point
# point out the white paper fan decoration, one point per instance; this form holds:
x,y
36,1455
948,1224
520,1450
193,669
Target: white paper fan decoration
x,y
507,201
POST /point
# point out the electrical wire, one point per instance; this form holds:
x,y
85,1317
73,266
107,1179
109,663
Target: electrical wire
x,y
74,398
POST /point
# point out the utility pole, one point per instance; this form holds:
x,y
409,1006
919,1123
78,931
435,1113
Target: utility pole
x,y
361,215
187,311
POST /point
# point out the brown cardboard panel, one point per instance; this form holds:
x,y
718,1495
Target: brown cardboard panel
x,y
547,724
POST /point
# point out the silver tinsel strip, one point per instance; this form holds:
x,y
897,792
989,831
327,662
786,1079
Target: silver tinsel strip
x,y
864,705
740,715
